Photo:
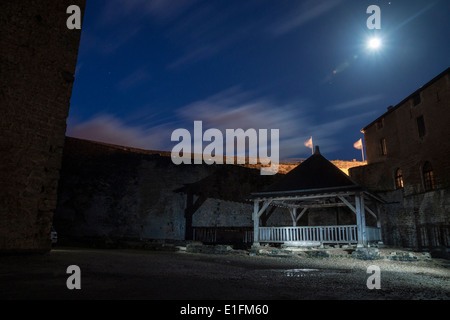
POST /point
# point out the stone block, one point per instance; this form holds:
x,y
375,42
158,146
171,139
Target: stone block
x,y
366,254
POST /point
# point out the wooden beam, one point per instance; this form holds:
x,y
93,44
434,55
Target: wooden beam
x,y
300,215
266,216
295,217
348,204
304,205
371,212
264,207
316,196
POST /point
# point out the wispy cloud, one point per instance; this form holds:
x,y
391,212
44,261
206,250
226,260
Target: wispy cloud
x,y
161,11
199,32
306,12
355,103
121,20
195,54
134,78
229,109
209,29
110,129
109,42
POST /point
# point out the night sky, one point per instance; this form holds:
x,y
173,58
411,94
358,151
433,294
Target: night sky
x,y
148,67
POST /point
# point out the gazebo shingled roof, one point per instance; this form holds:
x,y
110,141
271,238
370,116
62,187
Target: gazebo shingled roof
x,y
315,174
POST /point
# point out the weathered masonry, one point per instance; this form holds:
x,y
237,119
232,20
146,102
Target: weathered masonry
x,y
408,155
112,194
316,184
38,55
108,194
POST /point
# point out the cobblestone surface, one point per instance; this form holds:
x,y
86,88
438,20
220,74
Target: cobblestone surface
x,y
233,275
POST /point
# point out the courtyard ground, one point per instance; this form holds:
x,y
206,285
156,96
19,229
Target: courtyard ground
x,y
231,275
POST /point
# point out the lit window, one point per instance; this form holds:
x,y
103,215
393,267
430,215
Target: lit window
x,y
383,147
399,179
428,176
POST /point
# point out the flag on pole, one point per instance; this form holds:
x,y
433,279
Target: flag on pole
x,y
309,144
358,144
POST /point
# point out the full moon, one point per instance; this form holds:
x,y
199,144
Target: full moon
x,y
374,43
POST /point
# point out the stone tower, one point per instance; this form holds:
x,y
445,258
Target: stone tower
x,y
38,55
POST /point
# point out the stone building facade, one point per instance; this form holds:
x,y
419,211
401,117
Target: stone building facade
x,y
408,163
38,55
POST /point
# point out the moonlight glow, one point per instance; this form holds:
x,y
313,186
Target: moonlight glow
x,y
374,43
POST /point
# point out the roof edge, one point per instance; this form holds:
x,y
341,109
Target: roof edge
x,y
426,85
319,190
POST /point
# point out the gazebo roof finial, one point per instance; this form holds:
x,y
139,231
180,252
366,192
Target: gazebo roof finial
x,y
317,150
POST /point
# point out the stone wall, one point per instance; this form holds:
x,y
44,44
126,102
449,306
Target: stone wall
x,y
113,192
37,61
420,221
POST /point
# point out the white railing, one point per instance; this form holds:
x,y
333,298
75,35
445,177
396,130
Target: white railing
x,y
332,234
221,234
323,234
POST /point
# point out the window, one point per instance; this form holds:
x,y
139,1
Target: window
x,y
428,176
380,124
398,179
421,126
416,99
383,147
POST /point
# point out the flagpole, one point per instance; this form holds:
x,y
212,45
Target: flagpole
x,y
362,150
312,146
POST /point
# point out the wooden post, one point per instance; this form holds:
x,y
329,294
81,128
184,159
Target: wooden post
x,y
379,223
188,213
293,212
300,215
256,215
255,223
191,207
358,220
363,219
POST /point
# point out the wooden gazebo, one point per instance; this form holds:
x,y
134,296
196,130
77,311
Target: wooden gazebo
x,y
316,183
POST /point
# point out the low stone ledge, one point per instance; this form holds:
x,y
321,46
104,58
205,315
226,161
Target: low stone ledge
x,y
408,256
318,254
271,252
366,254
301,244
211,249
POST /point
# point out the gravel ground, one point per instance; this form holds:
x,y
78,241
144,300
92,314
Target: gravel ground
x,y
236,275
